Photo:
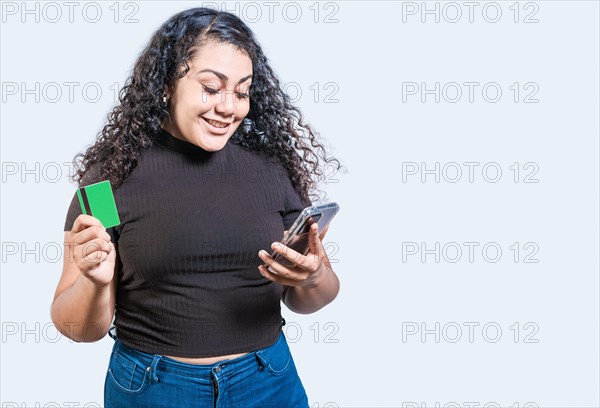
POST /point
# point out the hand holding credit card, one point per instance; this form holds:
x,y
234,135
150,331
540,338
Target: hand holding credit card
x,y
98,201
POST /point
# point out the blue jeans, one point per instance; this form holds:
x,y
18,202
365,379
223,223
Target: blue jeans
x,y
262,378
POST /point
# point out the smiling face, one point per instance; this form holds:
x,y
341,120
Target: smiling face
x,y
208,104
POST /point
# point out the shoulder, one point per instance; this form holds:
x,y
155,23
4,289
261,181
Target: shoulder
x,y
270,168
92,175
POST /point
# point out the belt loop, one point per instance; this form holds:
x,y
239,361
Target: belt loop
x,y
261,361
113,336
152,368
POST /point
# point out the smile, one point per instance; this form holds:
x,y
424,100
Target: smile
x,y
216,123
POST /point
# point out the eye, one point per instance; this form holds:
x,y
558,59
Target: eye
x,y
210,90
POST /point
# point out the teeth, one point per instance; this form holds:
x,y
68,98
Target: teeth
x,y
217,124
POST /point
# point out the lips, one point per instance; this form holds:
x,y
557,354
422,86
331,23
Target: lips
x,y
217,123
221,128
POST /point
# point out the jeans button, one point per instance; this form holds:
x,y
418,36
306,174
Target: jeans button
x,y
218,369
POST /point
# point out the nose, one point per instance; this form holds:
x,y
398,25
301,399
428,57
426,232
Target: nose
x,y
226,105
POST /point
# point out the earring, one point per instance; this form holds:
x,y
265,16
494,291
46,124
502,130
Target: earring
x,y
165,99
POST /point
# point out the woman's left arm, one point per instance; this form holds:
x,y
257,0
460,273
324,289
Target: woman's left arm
x,y
312,283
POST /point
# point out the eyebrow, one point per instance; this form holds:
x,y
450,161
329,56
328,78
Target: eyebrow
x,y
223,77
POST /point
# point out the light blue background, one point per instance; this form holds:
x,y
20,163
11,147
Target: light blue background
x,y
368,53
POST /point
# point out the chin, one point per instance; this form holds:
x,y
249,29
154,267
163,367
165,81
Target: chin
x,y
213,144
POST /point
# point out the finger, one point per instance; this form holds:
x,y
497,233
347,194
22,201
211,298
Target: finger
x,y
91,268
315,246
288,253
91,233
271,263
277,277
92,260
324,232
267,274
89,250
83,221
282,271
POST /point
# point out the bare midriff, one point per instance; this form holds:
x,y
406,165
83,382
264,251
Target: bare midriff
x,y
206,360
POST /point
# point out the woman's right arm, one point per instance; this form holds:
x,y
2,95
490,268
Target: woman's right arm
x,y
84,300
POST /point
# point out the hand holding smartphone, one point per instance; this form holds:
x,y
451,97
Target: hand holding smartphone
x,y
297,235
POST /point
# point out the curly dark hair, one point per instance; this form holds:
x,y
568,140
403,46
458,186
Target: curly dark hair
x,y
269,126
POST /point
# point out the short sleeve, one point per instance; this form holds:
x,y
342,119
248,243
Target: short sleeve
x,y
91,176
293,202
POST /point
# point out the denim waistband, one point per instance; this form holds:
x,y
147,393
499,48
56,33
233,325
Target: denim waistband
x,y
155,362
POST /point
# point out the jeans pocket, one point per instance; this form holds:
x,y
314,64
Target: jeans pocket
x,y
278,357
128,375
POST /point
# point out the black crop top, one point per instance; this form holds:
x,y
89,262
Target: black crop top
x,y
192,223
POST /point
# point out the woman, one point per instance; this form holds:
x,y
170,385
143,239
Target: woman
x,y
201,155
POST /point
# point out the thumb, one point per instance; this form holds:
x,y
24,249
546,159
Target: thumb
x,y
324,232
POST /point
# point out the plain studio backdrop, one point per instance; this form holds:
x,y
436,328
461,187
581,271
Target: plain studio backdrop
x,y
467,238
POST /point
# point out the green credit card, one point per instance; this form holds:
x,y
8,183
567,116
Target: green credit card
x,y
98,201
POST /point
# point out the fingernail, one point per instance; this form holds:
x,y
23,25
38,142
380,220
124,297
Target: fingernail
x,y
275,245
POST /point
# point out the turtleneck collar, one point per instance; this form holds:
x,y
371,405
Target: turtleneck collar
x,y
170,142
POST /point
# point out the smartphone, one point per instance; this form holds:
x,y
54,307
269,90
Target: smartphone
x,y
297,236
